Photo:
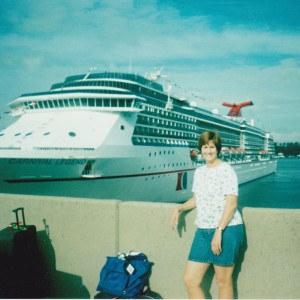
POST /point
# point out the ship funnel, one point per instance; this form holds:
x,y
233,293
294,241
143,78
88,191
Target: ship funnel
x,y
235,110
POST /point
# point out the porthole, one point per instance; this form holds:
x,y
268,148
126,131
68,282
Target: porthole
x,y
29,133
17,134
46,133
72,134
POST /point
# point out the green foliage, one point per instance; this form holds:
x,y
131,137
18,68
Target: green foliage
x,y
288,149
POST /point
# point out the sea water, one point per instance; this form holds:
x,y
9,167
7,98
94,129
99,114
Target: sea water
x,y
278,190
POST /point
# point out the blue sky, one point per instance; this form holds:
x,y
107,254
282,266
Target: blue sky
x,y
212,50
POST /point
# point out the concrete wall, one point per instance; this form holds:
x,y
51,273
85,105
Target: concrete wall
x,y
81,234
271,268
78,234
268,266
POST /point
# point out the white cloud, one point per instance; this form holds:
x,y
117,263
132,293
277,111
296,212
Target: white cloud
x,y
287,137
48,40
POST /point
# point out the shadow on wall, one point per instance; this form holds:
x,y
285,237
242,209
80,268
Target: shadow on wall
x,y
35,276
209,276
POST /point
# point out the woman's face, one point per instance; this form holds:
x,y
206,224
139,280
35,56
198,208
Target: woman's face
x,y
209,152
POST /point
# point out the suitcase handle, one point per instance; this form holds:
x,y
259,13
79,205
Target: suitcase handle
x,y
16,211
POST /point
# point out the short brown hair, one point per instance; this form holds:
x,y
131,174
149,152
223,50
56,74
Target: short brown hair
x,y
207,136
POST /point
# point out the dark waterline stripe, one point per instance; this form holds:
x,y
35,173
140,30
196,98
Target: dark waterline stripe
x,y
96,178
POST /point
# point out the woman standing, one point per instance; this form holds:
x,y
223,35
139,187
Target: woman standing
x,y
220,229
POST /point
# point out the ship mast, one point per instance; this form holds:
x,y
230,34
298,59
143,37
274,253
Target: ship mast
x,y
169,104
89,72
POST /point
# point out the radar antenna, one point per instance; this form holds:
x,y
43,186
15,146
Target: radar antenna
x,y
155,75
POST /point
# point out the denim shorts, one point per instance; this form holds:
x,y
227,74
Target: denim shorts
x,y
232,239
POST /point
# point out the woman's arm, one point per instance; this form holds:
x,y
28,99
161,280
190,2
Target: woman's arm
x,y
188,205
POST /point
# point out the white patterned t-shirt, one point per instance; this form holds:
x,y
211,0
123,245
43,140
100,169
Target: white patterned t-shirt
x,y
210,186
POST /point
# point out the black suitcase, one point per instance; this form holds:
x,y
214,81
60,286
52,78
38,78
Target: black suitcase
x,y
18,259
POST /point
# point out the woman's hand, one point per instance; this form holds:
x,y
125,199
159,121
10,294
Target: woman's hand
x,y
216,243
175,217
188,205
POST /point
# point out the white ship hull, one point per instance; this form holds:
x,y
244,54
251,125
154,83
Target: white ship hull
x,y
118,136
138,175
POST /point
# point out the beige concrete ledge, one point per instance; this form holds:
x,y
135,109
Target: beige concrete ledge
x,y
81,233
271,267
78,234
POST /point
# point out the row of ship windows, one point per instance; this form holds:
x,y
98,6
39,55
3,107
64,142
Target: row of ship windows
x,y
116,87
226,142
71,134
162,141
93,102
105,83
164,132
186,142
234,135
98,102
19,133
77,102
252,141
136,140
161,153
165,122
149,120
122,85
172,123
230,145
231,138
226,138
171,114
253,145
182,164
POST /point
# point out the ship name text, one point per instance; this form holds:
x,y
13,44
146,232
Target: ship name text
x,y
41,161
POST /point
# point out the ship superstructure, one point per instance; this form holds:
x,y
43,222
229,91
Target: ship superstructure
x,y
119,136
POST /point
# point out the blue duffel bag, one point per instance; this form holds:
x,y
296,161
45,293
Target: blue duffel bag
x,y
125,275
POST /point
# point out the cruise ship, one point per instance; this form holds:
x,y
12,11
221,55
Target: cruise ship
x,y
123,136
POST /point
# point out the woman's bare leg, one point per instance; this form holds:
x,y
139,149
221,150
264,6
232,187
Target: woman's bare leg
x,y
193,277
224,281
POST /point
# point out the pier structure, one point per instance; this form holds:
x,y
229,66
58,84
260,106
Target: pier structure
x,y
76,235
